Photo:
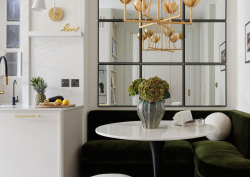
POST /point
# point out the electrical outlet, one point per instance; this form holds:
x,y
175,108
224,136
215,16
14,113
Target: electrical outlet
x,y
65,82
74,82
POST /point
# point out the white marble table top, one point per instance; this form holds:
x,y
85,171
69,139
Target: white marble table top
x,y
165,132
111,175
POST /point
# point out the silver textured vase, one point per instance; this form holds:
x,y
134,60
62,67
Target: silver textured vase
x,y
151,114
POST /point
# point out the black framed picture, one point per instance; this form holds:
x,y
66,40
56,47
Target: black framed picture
x,y
247,43
222,56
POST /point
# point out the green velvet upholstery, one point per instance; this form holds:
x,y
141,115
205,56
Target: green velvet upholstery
x,y
229,158
219,158
240,134
134,158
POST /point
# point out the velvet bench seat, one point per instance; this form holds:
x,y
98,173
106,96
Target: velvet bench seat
x,y
196,157
134,158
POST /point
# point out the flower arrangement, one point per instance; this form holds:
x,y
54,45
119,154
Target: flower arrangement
x,y
133,87
153,89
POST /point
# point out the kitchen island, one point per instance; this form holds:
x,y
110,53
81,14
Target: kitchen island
x,y
40,141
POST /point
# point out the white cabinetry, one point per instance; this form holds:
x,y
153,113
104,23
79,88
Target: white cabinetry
x,y
45,146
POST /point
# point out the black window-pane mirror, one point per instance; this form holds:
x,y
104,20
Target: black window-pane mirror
x,y
118,42
205,85
13,10
113,85
12,63
13,36
205,42
212,10
171,74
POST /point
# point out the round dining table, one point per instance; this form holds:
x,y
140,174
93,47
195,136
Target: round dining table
x,y
167,131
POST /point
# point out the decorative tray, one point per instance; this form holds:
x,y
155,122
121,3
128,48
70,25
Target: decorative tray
x,y
55,106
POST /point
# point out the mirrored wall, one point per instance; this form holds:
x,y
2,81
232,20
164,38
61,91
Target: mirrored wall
x,y
118,42
205,85
113,85
195,70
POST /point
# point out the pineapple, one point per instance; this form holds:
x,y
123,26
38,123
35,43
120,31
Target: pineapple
x,y
39,86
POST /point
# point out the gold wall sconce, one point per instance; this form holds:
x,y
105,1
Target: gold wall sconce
x,y
55,13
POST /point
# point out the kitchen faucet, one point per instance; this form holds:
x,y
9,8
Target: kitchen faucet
x,y
6,73
13,98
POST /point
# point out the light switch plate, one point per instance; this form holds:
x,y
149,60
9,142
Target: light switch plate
x,y
74,82
65,82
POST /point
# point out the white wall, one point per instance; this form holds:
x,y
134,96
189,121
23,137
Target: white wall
x,y
232,54
243,84
73,13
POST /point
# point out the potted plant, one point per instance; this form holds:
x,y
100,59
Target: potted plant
x,y
40,87
153,93
101,86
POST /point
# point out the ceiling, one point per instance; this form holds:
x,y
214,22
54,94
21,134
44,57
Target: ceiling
x,y
118,8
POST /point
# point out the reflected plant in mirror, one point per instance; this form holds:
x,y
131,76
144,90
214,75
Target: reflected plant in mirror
x,y
101,85
153,93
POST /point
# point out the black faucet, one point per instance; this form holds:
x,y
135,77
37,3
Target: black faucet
x,y
13,98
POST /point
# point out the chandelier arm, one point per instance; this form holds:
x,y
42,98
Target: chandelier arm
x,y
174,17
152,18
158,9
170,20
161,37
161,8
143,8
143,26
191,15
125,12
180,8
140,21
147,15
166,26
136,15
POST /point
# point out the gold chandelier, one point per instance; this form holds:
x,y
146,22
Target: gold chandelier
x,y
164,32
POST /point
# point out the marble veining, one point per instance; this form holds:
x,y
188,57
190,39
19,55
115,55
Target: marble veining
x,y
54,59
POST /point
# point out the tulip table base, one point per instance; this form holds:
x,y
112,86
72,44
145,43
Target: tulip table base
x,y
156,149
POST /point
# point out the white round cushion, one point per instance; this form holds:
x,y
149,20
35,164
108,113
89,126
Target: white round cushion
x,y
223,125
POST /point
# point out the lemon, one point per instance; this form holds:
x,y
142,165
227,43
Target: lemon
x,y
59,101
65,102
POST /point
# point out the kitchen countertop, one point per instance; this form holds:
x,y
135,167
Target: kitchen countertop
x,y
32,108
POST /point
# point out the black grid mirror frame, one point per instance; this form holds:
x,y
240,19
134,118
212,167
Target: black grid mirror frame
x,y
183,63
